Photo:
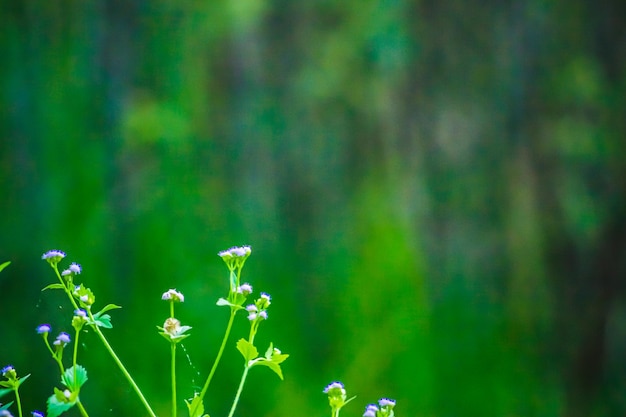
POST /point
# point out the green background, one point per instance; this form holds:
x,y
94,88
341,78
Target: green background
x,y
434,193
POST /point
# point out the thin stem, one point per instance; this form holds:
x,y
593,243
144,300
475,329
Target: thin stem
x,y
243,381
122,368
75,354
173,379
83,412
217,359
19,402
65,287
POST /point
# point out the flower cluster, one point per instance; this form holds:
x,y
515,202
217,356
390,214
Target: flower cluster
x,y
53,257
173,295
258,310
235,253
337,399
73,269
383,409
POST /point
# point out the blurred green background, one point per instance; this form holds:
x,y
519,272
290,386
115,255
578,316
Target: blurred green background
x,y
434,193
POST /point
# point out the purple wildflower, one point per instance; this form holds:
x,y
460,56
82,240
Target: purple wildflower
x,y
245,289
53,256
370,411
333,388
386,402
43,329
62,339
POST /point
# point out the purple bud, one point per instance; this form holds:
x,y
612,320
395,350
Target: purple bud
x,y
43,329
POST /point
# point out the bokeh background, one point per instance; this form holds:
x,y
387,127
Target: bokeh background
x,y
434,193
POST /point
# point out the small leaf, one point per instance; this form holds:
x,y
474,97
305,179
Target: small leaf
x,y
68,378
58,285
279,358
223,302
247,349
6,406
272,365
7,384
22,379
103,321
269,351
106,308
4,265
195,407
3,392
58,404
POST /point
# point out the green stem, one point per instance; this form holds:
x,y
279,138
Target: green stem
x,y
83,412
122,368
19,402
233,311
65,287
173,379
75,354
243,381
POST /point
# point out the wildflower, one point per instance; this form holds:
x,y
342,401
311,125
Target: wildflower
x,y
251,308
173,331
73,269
37,414
245,289
53,257
336,396
43,329
62,339
5,413
235,256
386,402
9,372
235,252
79,319
264,301
252,316
263,315
84,295
173,295
370,411
335,389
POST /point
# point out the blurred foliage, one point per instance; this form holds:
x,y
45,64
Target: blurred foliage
x,y
434,193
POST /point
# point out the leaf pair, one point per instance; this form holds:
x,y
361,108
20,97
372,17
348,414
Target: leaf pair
x,y
273,357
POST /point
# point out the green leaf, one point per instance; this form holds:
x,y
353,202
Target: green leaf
x,y
106,308
22,379
223,302
58,404
68,378
4,265
8,384
272,365
58,285
4,391
247,349
103,321
196,407
6,406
